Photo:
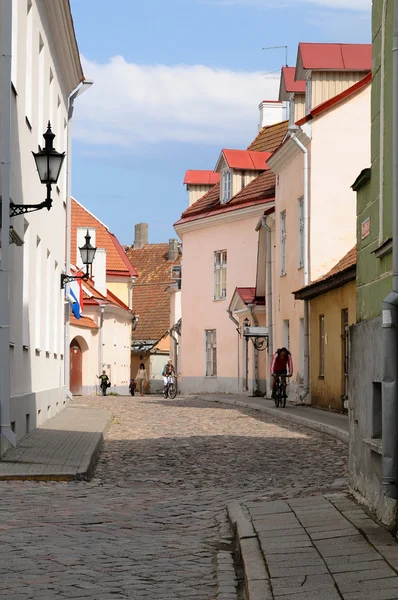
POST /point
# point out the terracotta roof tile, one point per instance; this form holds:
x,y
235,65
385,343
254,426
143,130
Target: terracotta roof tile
x,y
269,138
115,257
345,264
83,322
151,301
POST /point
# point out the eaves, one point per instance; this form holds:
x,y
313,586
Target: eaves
x,y
287,151
326,285
223,217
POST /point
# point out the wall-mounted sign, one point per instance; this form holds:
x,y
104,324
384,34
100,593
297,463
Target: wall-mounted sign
x,y
365,228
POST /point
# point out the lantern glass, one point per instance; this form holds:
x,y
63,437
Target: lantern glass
x,y
87,252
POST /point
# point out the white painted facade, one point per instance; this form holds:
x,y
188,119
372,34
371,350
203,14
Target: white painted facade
x,y
45,70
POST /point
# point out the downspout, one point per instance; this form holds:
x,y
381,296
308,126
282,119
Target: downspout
x,y
382,123
175,340
238,331
81,88
390,313
101,338
306,273
269,299
5,57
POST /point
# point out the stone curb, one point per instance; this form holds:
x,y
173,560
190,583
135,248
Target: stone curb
x,y
335,432
257,582
91,457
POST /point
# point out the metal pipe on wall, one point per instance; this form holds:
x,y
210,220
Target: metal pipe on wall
x,y
390,314
238,331
5,57
382,123
269,300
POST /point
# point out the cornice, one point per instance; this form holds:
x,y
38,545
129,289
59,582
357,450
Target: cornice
x,y
223,217
288,151
64,39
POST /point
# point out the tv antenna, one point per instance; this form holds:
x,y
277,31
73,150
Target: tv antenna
x,y
277,48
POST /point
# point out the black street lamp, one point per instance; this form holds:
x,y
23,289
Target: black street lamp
x,y
87,253
48,164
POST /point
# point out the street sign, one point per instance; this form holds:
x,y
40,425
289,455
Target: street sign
x,y
255,331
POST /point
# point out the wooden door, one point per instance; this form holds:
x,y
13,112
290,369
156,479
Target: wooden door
x,y
76,362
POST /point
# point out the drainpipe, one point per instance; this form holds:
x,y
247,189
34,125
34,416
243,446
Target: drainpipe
x,y
175,340
292,132
81,88
390,314
269,297
101,338
382,123
238,331
5,57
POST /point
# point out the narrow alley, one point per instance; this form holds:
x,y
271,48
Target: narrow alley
x,y
148,525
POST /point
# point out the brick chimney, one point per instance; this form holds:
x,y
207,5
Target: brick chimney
x,y
140,235
173,249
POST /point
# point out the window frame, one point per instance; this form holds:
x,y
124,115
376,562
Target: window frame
x,y
226,178
282,218
220,261
210,353
322,344
300,240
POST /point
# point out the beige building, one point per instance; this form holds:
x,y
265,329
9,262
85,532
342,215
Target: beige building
x,y
332,307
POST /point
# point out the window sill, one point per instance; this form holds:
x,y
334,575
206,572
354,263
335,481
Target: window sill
x,y
219,299
375,444
28,123
210,376
283,274
321,377
384,249
25,348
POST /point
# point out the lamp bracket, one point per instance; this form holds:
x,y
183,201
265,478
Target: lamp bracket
x,y
69,278
23,209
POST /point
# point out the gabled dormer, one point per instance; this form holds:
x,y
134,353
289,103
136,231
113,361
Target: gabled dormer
x,y
293,92
329,69
199,183
237,168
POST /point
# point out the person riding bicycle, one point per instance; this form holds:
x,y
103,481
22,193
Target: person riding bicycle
x,y
281,366
168,371
103,382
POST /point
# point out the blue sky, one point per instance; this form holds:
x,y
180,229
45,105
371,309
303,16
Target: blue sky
x,y
174,82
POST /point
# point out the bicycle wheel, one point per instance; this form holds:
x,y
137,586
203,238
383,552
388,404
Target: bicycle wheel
x,y
283,397
277,396
166,391
172,391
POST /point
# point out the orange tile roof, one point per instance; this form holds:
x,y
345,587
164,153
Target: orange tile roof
x,y
270,137
246,159
289,82
83,322
345,265
116,262
335,57
151,301
193,177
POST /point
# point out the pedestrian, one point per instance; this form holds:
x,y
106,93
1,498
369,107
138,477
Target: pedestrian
x,y
141,378
132,387
104,382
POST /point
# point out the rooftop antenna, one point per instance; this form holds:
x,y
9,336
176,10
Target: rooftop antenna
x,y
277,48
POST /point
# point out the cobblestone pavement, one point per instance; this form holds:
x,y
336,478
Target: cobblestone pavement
x,y
147,525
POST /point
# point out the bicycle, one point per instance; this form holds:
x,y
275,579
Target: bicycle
x,y
280,391
170,389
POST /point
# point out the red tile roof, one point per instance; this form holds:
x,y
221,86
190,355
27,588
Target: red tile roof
x,y
91,296
247,160
83,322
351,91
193,177
290,83
344,266
335,57
116,262
151,301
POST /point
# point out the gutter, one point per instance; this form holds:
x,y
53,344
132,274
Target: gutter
x,y
292,132
101,338
238,331
389,384
382,123
5,58
255,352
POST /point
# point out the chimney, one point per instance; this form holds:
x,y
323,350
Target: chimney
x,y
99,270
173,249
271,112
140,235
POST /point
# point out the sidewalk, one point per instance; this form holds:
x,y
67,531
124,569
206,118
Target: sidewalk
x,y
316,548
334,424
65,448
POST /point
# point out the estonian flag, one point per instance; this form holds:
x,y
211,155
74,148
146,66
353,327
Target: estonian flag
x,y
76,298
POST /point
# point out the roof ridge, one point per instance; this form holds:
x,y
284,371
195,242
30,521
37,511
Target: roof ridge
x,y
89,212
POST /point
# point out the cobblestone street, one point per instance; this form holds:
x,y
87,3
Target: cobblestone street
x,y
147,526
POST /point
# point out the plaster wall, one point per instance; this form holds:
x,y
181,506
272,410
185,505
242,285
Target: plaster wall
x,y
120,287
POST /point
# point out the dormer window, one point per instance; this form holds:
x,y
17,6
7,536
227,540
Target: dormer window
x,y
225,186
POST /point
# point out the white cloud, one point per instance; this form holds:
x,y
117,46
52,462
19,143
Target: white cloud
x,y
131,104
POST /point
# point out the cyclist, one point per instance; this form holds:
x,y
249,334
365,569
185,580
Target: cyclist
x,y
103,382
168,371
281,366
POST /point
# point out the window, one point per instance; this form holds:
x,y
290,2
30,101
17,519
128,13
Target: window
x,y
14,51
321,346
220,274
211,353
40,101
300,218
38,307
283,242
226,186
49,302
286,333
29,64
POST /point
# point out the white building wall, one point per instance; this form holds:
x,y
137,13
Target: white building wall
x,y
37,382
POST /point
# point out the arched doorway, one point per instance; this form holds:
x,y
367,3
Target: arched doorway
x,y
76,368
